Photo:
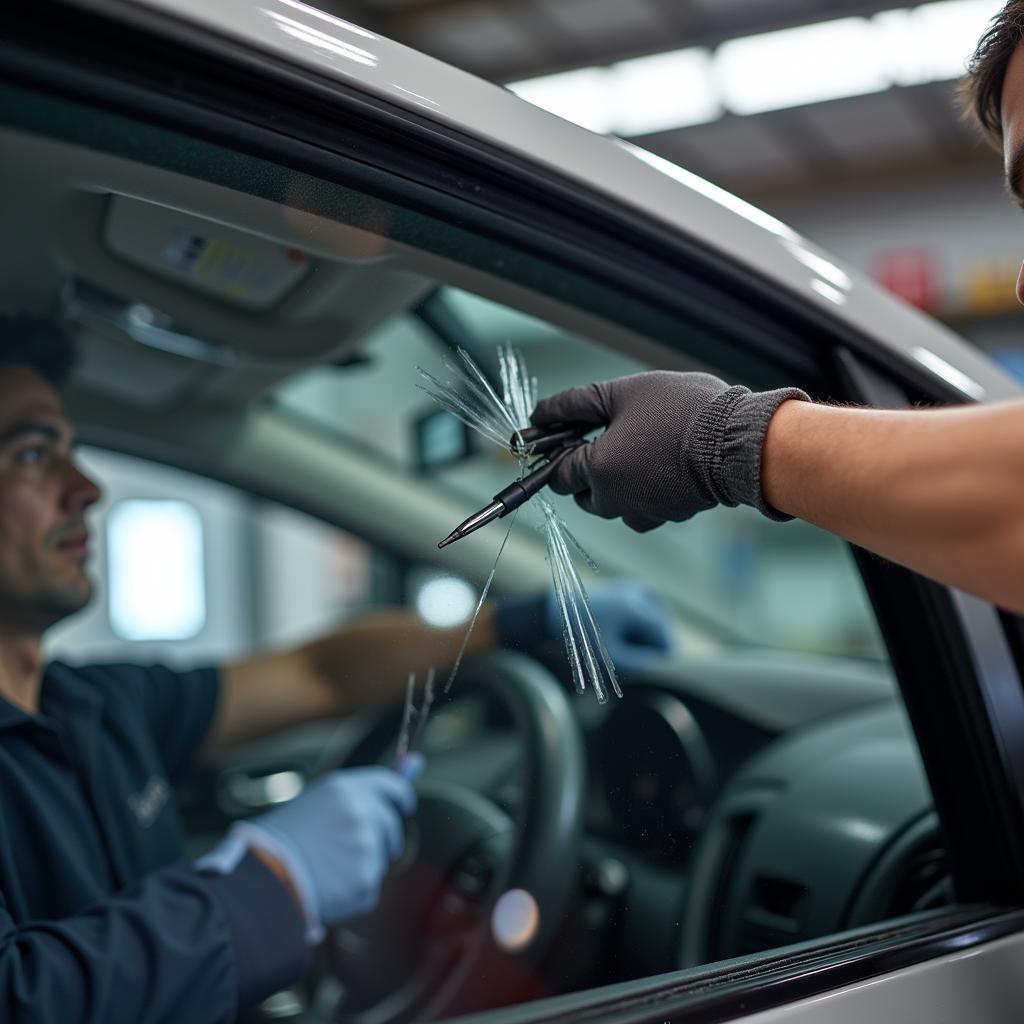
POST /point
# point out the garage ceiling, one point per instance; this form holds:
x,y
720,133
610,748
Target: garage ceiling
x,y
900,130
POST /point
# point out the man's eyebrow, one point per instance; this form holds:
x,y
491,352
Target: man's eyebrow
x,y
44,427
1014,174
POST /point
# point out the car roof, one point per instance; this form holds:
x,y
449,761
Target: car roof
x,y
620,172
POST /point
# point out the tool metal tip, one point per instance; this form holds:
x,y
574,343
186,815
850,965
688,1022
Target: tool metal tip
x,y
450,539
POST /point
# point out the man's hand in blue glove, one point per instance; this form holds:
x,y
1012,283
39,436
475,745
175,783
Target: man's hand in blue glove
x,y
634,621
337,840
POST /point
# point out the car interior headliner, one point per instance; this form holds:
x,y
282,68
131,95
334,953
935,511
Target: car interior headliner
x,y
207,415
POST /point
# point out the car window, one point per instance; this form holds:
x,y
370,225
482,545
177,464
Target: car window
x,y
736,578
250,337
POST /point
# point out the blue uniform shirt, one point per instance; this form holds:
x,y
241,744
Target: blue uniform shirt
x,y
101,919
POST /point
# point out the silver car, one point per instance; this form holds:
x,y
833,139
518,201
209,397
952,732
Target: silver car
x,y
258,220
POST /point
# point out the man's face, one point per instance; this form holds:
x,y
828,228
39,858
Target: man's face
x,y
43,497
1013,136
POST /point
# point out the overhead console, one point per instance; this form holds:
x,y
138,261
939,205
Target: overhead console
x,y
264,287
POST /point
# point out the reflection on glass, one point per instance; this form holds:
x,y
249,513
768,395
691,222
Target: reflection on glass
x,y
155,553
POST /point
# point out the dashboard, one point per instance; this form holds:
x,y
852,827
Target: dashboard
x,y
733,804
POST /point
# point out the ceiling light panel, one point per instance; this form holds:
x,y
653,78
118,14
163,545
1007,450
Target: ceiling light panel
x,y
579,96
810,64
668,90
802,65
945,33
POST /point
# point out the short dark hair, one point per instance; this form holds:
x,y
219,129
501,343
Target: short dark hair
x,y
38,344
981,92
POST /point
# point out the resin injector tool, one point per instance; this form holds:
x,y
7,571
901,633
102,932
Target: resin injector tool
x,y
550,445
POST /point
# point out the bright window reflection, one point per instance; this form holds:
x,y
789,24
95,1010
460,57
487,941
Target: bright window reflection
x,y
445,601
155,564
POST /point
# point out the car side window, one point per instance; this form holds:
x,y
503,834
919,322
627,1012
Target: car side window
x,y
757,786
735,578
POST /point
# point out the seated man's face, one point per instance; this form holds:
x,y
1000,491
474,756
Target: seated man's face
x,y
43,497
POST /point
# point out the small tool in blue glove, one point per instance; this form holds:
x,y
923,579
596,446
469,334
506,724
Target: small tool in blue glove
x,y
338,839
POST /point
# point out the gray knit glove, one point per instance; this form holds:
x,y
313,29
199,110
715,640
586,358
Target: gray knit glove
x,y
675,444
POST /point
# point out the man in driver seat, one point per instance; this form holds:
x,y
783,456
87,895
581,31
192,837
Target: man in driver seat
x,y
101,917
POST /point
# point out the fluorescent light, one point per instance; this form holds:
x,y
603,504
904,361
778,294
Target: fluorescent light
x,y
578,96
931,43
809,64
668,90
156,573
948,372
947,32
633,97
825,60
900,49
445,601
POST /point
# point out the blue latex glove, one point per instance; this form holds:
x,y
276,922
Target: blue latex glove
x,y
338,839
634,621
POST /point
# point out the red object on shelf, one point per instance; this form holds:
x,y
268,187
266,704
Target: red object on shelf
x,y
912,274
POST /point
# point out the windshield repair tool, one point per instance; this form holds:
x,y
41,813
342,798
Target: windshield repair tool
x,y
551,443
468,395
409,737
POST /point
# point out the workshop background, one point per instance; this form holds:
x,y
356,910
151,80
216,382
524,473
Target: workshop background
x,y
838,117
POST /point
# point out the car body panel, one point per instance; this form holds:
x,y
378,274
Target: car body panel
x,y
622,173
982,984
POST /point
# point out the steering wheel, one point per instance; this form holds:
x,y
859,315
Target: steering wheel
x,y
430,947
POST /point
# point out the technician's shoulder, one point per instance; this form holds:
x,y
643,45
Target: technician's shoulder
x,y
118,680
173,707
153,690
103,677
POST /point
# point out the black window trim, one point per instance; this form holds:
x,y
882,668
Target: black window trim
x,y
962,693
738,988
56,54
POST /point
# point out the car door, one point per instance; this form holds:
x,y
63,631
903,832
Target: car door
x,y
304,150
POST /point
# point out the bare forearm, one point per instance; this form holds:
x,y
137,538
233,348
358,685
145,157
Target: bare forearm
x,y
363,664
940,491
367,663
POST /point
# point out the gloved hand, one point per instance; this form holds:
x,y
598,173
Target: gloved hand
x,y
675,444
337,839
634,622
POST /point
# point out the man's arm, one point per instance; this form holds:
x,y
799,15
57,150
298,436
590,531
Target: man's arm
x,y
178,945
364,664
940,491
